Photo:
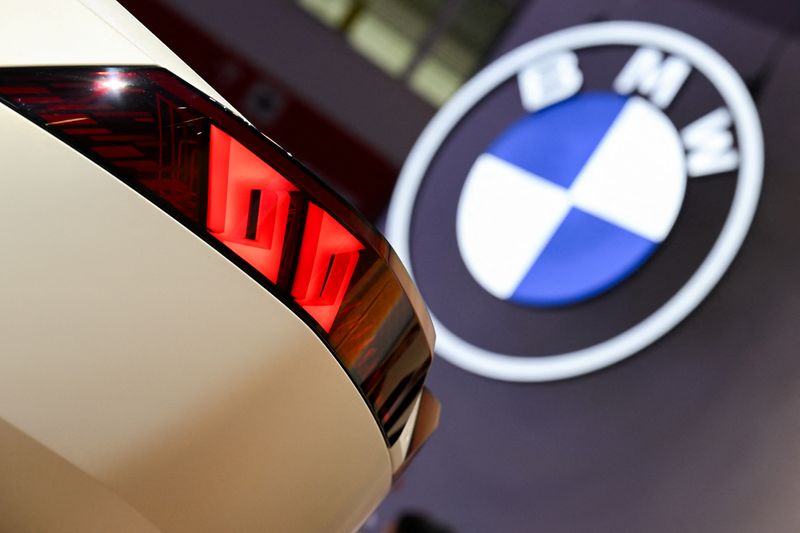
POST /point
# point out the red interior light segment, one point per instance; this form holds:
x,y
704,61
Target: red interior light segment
x,y
328,258
248,204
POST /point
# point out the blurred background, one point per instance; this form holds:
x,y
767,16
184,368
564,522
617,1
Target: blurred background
x,y
699,432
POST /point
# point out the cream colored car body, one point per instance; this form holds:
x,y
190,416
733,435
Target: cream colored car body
x,y
146,382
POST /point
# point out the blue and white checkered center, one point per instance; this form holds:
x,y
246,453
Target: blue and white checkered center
x,y
571,200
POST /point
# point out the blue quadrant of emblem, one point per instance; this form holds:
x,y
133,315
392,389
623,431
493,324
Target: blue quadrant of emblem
x,y
556,142
586,256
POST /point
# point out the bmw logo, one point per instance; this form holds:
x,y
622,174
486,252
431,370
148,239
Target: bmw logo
x,y
578,198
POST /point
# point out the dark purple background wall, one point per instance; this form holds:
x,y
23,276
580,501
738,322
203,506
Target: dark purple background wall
x,y
699,432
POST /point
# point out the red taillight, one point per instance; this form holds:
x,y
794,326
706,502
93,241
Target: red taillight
x,y
254,203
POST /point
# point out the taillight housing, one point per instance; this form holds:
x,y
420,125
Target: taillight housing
x,y
254,203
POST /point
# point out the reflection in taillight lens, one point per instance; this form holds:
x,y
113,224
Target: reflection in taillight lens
x,y
254,203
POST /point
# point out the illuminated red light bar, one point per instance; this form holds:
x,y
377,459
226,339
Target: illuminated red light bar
x,y
255,204
328,257
248,204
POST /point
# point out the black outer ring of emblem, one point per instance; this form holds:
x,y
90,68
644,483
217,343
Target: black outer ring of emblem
x,y
483,320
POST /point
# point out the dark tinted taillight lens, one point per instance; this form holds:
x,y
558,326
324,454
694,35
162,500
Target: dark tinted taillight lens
x,y
254,203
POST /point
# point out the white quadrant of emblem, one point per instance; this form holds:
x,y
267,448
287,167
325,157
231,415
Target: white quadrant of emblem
x,y
602,185
620,181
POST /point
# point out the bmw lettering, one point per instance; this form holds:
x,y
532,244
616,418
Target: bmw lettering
x,y
578,198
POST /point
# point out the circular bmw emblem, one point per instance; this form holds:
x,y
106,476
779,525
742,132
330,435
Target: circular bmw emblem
x,y
578,198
